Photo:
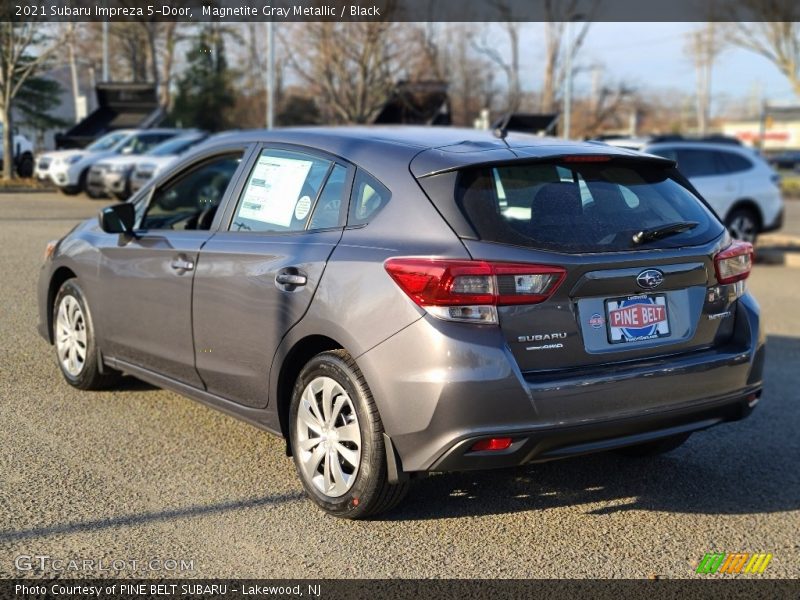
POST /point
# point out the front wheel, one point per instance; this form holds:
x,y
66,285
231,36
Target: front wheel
x,y
337,439
76,347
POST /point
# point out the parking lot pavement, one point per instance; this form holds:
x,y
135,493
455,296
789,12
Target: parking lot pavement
x,y
142,473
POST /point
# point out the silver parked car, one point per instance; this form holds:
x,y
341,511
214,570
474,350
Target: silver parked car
x,y
397,301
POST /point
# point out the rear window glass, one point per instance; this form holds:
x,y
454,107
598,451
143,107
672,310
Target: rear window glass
x,y
586,207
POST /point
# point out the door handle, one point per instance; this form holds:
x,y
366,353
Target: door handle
x,y
181,263
295,279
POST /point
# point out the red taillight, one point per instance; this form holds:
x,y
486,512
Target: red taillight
x,y
468,290
734,263
490,444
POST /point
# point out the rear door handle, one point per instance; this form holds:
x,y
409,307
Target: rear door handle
x,y
181,263
295,279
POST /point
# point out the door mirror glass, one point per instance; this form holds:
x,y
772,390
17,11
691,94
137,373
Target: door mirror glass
x,y
118,218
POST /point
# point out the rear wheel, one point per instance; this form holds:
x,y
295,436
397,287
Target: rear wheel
x,y
25,166
656,447
337,439
76,347
743,224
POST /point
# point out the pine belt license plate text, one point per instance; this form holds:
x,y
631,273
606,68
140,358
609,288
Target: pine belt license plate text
x,y
637,318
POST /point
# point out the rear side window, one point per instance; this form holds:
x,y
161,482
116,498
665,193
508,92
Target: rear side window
x,y
733,163
582,207
369,196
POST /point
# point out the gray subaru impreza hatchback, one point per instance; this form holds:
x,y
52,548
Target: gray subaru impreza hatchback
x,y
397,301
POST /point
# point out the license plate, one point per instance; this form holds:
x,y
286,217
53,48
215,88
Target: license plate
x,y
637,318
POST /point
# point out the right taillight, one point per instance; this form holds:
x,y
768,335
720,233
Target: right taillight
x,y
470,290
734,263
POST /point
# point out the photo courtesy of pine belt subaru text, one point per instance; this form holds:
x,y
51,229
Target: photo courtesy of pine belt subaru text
x,y
400,301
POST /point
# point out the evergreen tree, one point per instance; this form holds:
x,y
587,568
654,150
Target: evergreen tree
x,y
34,101
205,91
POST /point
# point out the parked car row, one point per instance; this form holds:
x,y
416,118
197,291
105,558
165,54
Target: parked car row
x,y
107,166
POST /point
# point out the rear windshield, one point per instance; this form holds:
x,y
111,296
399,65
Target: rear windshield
x,y
581,207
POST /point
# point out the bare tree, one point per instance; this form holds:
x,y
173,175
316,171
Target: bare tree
x,y
351,68
776,36
704,46
25,50
559,16
510,67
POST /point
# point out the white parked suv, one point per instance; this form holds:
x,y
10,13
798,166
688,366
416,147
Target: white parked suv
x,y
736,182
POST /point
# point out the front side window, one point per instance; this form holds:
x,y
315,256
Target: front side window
x,y
697,163
290,191
191,201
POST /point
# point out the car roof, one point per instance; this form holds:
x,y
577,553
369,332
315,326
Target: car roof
x,y
427,150
723,147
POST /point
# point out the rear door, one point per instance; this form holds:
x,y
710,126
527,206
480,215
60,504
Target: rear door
x,y
619,300
257,276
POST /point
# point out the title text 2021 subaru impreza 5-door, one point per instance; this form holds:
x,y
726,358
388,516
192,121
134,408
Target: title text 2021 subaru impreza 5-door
x,y
401,301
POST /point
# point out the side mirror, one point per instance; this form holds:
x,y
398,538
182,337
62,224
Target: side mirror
x,y
118,218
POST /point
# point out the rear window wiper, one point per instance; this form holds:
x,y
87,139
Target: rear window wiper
x,y
646,235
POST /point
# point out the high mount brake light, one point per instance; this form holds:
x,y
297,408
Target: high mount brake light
x,y
586,158
734,263
470,290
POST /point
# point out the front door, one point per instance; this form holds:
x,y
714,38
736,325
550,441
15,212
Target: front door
x,y
146,281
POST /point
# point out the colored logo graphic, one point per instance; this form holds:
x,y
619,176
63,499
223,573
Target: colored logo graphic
x,y
732,563
597,320
638,318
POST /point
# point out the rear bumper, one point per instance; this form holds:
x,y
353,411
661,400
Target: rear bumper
x,y
555,443
440,386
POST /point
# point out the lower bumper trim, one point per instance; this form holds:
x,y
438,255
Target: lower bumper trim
x,y
556,443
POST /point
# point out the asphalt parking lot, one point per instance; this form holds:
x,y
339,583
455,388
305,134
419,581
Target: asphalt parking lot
x,y
142,473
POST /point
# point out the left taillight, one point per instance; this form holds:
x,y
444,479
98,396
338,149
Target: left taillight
x,y
471,290
734,263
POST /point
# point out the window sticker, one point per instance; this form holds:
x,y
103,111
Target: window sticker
x,y
273,190
302,208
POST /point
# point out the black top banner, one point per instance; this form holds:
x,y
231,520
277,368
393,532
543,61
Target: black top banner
x,y
401,10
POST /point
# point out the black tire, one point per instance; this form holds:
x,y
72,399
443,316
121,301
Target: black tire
x,y
70,190
743,223
89,376
25,166
370,493
662,446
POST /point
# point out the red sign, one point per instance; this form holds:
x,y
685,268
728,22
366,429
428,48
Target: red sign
x,y
638,315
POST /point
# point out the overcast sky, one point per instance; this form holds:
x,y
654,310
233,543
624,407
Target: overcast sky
x,y
651,55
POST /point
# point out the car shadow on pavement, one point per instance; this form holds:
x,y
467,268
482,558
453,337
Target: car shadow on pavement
x,y
128,383
749,466
149,517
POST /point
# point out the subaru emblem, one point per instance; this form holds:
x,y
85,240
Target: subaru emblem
x,y
650,279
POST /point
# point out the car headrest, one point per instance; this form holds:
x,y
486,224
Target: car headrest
x,y
557,200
